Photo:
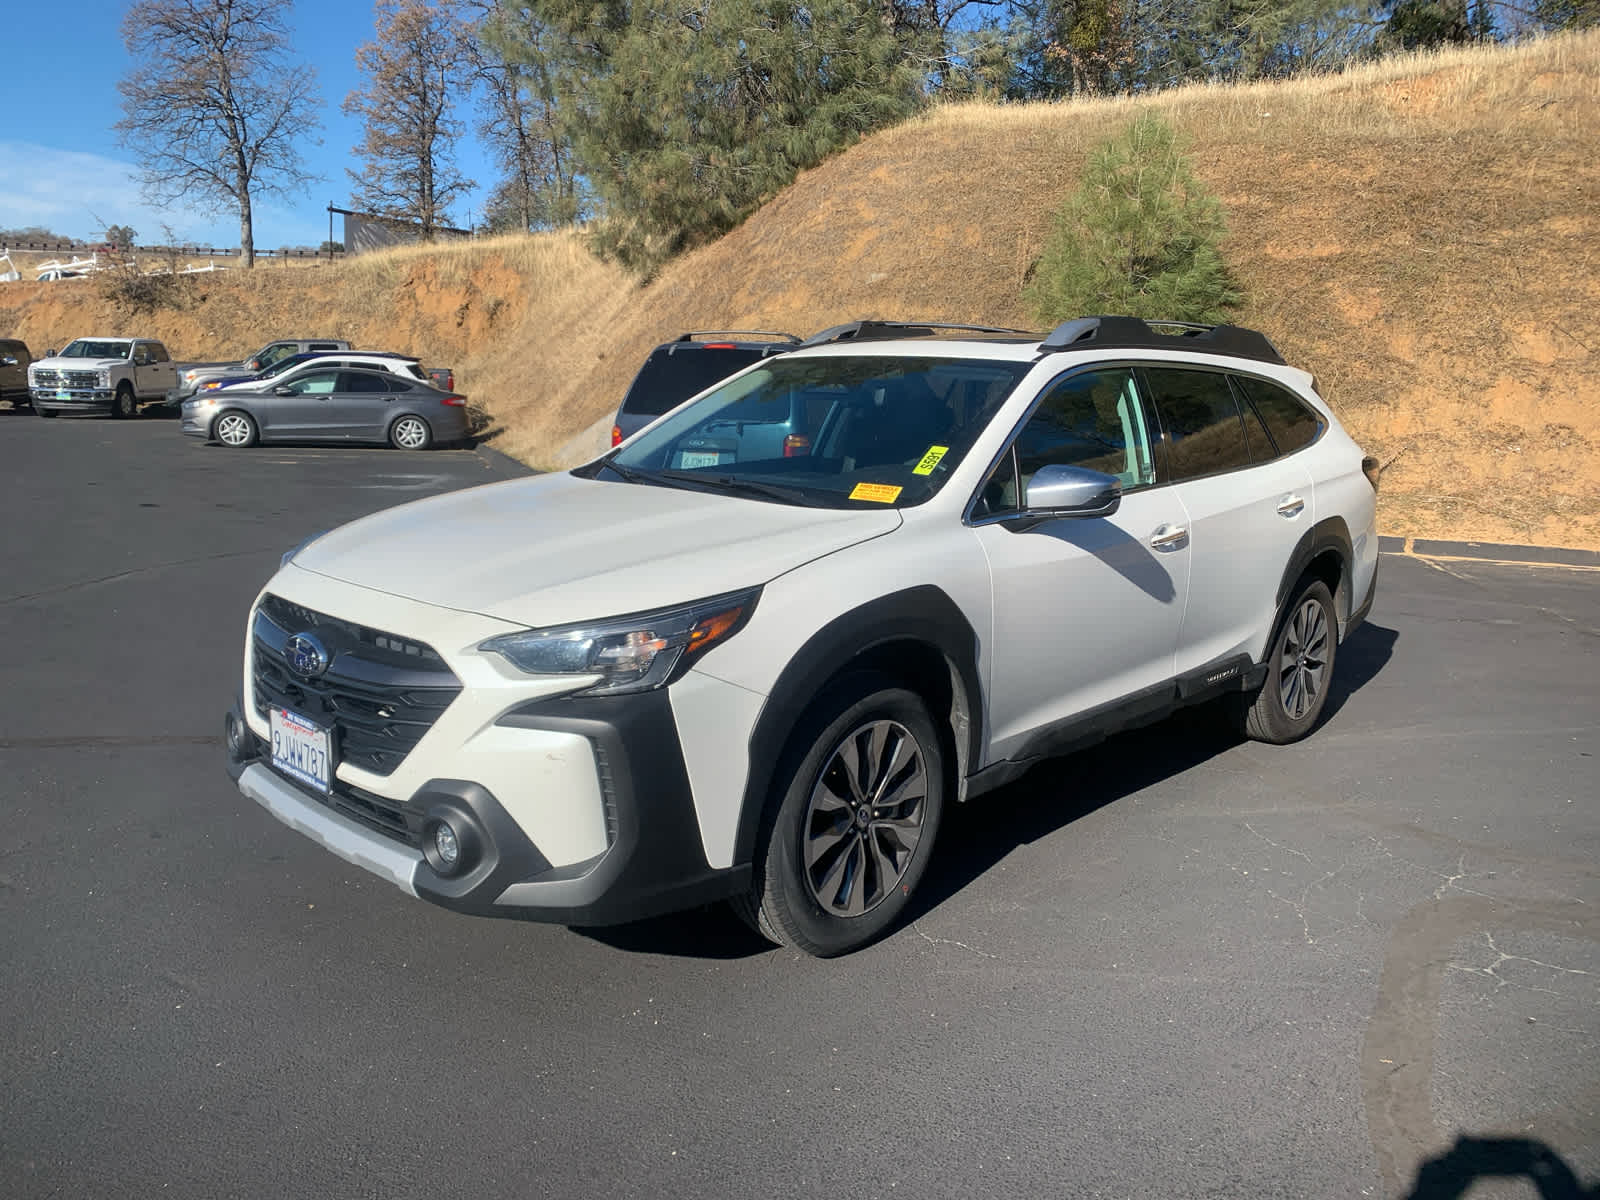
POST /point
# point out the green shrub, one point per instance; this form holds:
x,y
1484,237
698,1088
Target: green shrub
x,y
1138,238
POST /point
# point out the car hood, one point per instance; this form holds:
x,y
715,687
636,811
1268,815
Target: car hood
x,y
77,364
559,548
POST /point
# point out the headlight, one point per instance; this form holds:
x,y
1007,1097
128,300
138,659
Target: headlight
x,y
105,379
210,385
630,654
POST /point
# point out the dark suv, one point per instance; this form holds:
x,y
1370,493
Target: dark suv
x,y
687,366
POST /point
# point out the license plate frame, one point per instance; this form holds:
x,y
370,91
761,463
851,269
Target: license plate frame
x,y
694,460
302,749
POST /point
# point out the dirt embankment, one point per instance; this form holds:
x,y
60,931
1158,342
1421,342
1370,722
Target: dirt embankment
x,y
1423,235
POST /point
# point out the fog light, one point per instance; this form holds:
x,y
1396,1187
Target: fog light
x,y
446,846
234,730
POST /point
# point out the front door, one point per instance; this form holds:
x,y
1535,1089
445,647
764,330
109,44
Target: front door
x,y
297,409
1086,610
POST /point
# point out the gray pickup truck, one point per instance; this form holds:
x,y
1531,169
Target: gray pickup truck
x,y
192,375
100,375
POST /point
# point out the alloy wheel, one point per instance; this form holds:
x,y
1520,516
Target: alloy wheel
x,y
233,429
865,818
1303,660
410,433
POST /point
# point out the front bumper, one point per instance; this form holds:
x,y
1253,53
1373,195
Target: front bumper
x,y
653,862
86,400
196,416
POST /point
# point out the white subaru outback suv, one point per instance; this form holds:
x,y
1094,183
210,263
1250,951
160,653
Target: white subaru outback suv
x,y
688,672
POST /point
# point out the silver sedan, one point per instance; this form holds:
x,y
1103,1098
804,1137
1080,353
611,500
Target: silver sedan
x,y
342,405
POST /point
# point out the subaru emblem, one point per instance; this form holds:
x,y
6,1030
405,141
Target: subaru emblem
x,y
306,656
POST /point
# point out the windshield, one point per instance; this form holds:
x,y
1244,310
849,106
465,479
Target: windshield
x,y
83,348
278,368
836,432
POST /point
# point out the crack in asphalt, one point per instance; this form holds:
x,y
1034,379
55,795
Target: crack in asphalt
x,y
131,571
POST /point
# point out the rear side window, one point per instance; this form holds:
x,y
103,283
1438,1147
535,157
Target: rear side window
x,y
360,381
1290,422
416,372
672,374
1205,434
325,346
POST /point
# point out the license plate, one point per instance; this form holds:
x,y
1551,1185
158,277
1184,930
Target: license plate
x,y
692,459
301,749
63,394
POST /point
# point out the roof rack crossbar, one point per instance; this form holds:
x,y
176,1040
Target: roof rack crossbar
x,y
725,333
857,330
1131,333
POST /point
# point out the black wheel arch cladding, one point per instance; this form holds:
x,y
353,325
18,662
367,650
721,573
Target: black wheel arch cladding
x,y
921,616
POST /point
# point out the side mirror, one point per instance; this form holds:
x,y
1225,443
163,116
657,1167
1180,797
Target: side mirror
x,y
1058,491
253,365
8,361
283,389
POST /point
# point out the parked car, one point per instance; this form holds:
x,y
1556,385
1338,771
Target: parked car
x,y
325,404
14,360
679,674
286,369
687,366
100,375
191,375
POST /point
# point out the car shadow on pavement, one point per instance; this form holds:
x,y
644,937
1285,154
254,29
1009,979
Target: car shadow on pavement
x,y
1454,1172
978,835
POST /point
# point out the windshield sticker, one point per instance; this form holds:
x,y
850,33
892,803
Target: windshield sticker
x,y
930,460
883,493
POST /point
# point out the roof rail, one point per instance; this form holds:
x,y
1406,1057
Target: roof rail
x,y
858,330
725,333
1131,333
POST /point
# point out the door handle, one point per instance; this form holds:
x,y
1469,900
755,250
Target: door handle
x,y
1291,506
1169,536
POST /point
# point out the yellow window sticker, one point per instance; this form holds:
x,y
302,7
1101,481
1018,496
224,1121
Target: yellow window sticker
x,y
931,459
884,493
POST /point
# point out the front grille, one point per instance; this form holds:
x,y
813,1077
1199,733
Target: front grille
x,y
82,379
380,694
46,378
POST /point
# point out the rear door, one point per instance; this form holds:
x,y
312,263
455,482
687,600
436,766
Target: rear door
x,y
1246,511
364,403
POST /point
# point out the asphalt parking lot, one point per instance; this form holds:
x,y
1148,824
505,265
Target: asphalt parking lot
x,y
1175,965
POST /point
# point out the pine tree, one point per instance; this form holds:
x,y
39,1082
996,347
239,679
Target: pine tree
x,y
1138,238
685,120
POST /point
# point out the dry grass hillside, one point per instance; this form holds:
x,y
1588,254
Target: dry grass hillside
x,y
1423,234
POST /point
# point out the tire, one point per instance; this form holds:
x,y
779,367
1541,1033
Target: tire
x,y
1300,663
410,433
45,412
235,429
124,405
834,871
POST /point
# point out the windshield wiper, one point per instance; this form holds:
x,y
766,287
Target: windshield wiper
x,y
787,493
629,474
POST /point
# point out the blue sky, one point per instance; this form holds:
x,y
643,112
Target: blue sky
x,y
62,167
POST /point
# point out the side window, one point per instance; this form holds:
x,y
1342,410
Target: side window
x,y
323,346
360,381
1094,420
1291,423
275,352
318,383
158,352
141,355
1205,435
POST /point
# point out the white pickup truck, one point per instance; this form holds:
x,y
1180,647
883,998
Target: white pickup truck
x,y
101,375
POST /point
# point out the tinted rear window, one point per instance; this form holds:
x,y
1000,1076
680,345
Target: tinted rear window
x,y
671,376
1293,425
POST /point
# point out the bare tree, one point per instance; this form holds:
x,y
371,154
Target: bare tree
x,y
214,106
415,68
